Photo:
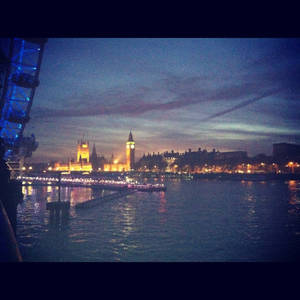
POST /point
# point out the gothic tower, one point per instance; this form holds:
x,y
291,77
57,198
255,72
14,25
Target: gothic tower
x,y
130,145
83,151
94,159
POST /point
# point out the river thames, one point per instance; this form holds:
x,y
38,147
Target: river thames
x,y
192,221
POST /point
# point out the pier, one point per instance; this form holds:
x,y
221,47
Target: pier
x,y
59,210
95,201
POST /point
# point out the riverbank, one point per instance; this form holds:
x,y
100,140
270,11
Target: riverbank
x,y
247,177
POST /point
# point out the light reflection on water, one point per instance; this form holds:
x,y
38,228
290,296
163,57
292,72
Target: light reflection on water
x,y
294,188
294,192
203,220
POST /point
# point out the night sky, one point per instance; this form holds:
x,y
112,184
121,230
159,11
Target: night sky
x,y
174,94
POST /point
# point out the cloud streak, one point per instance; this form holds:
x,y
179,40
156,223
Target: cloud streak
x,y
140,103
241,105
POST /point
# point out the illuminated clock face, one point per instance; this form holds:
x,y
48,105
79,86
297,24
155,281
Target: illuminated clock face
x,y
127,146
132,146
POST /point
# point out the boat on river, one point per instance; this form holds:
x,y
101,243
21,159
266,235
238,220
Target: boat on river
x,y
148,187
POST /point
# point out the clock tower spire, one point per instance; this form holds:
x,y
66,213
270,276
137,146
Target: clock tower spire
x,y
130,148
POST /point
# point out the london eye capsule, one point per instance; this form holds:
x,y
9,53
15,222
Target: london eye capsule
x,y
25,80
18,117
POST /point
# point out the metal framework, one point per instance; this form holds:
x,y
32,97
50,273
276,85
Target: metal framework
x,y
21,78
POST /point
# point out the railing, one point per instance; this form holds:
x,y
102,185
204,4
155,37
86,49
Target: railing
x,y
9,249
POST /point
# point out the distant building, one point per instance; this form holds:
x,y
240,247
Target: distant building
x,y
286,151
83,160
115,166
238,155
170,158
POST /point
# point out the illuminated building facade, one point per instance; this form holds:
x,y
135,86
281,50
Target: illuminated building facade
x,y
83,160
83,151
115,166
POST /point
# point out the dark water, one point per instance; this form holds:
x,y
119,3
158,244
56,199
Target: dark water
x,y
197,221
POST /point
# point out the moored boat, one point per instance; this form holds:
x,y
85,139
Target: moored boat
x,y
148,187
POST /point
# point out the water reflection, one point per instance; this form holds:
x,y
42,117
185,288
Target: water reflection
x,y
79,195
125,220
162,203
37,197
128,214
294,197
251,204
251,232
132,229
59,222
162,207
251,207
294,189
65,193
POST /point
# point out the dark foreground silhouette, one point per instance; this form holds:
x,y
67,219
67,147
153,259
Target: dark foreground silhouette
x,y
10,190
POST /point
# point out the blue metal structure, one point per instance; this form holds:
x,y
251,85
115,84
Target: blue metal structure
x,y
20,67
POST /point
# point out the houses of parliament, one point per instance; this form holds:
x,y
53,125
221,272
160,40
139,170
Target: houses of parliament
x,y
87,163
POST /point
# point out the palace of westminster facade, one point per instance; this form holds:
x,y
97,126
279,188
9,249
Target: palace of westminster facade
x,y
88,163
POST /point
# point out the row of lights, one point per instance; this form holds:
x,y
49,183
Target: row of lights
x,y
290,164
86,180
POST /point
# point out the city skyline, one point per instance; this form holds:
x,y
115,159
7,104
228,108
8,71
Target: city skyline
x,y
228,94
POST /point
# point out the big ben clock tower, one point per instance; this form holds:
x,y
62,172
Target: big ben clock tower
x,y
130,147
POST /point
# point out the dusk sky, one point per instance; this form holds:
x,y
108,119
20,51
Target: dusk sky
x,y
227,94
